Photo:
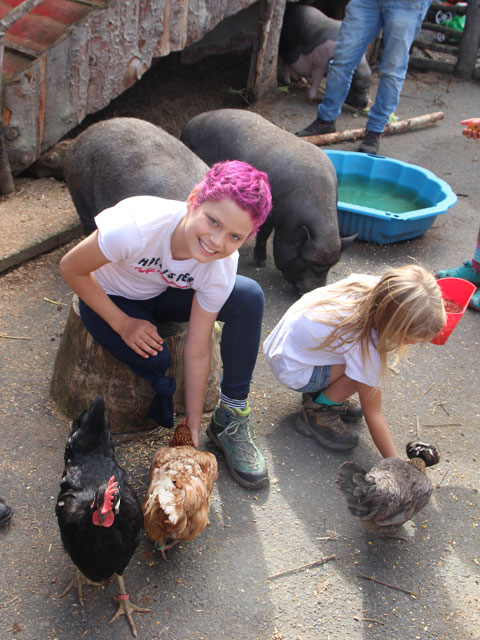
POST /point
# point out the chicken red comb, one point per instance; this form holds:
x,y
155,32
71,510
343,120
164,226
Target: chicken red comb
x,y
108,496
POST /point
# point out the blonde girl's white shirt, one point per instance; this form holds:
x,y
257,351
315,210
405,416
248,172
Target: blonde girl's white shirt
x,y
292,352
135,236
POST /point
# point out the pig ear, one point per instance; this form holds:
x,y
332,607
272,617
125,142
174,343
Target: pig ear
x,y
302,237
345,242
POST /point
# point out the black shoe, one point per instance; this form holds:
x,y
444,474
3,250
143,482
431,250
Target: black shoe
x,y
371,143
317,128
5,512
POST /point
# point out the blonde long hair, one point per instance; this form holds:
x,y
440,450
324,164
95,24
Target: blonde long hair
x,y
404,305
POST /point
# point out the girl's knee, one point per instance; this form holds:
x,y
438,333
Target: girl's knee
x,y
247,297
248,291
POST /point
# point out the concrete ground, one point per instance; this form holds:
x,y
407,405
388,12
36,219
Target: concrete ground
x,y
256,572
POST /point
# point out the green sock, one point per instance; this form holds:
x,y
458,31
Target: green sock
x,y
322,399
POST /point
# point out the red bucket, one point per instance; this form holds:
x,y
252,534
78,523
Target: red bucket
x,y
460,291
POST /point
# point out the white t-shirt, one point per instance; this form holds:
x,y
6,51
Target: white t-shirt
x,y
135,236
292,350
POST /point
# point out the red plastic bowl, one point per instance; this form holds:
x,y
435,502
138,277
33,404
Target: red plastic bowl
x,y
460,291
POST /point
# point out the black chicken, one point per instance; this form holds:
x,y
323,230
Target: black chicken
x,y
392,492
99,515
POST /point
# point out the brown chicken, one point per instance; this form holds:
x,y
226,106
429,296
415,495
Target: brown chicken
x,y
181,482
392,492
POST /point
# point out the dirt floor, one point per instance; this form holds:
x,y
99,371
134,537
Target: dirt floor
x,y
259,571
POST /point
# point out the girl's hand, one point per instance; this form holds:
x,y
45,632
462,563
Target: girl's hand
x,y
141,336
472,128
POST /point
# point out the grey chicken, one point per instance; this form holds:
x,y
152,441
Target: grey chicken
x,y
392,492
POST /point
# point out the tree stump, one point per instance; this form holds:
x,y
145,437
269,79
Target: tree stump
x,y
84,369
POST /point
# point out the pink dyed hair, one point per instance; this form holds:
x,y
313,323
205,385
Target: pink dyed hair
x,y
242,183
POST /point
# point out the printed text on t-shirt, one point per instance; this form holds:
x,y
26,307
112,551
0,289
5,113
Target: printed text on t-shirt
x,y
154,265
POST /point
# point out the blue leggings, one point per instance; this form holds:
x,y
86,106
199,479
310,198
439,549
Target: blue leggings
x,y
242,314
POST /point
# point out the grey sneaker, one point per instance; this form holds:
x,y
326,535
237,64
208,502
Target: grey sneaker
x,y
317,127
350,411
371,143
325,425
231,431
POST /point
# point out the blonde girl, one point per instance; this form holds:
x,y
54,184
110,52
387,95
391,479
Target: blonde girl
x,y
335,342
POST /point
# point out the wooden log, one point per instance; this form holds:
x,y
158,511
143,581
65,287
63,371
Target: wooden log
x,y
430,26
425,64
436,46
396,127
84,369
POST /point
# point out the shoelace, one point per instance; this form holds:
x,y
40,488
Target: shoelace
x,y
242,434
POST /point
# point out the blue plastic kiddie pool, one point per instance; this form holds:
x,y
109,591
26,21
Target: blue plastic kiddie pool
x,y
385,200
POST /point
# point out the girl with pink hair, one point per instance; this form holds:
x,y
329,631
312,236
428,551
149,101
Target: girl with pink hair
x,y
155,260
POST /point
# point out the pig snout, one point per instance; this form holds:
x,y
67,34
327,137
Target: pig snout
x,y
305,263
308,269
304,276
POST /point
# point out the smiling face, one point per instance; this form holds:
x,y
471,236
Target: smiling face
x,y
211,231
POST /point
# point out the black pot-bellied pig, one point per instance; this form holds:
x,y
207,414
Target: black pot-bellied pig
x,y
304,190
123,157
307,42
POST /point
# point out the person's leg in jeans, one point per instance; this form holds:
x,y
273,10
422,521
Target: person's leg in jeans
x,y
360,26
152,368
229,427
402,20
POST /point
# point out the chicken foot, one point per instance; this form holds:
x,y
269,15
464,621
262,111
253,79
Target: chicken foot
x,y
165,547
125,607
78,581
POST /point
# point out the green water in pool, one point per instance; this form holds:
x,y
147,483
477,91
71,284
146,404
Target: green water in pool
x,y
382,195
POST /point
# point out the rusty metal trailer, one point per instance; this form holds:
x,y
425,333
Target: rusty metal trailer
x,y
64,59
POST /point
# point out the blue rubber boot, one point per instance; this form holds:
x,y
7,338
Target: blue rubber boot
x,y
475,301
465,271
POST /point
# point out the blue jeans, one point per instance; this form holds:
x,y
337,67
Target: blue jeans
x,y
401,21
242,314
319,380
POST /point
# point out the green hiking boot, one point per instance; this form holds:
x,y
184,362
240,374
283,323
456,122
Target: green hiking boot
x,y
232,432
324,423
465,271
350,411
